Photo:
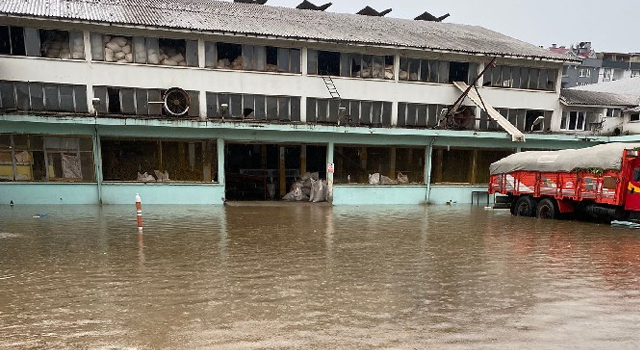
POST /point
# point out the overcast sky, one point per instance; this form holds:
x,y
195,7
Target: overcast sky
x,y
610,25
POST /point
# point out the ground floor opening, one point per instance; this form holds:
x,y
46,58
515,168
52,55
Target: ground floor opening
x,y
266,171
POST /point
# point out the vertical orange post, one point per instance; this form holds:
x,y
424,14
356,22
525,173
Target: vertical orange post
x,y
139,211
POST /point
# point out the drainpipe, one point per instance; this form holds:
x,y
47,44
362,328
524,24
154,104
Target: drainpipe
x,y
427,169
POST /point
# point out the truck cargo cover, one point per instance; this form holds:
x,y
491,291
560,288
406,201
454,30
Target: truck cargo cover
x,y
607,156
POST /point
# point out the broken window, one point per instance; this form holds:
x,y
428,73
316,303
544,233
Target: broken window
x,y
365,66
328,63
355,112
378,165
62,44
131,160
37,158
249,106
521,78
162,51
12,41
139,102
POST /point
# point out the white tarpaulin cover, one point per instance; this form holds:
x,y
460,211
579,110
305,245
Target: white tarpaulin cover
x,y
606,157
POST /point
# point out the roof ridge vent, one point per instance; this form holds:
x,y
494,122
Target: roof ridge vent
x,y
255,2
306,5
369,11
426,16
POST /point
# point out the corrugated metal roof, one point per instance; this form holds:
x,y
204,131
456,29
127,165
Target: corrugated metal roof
x,y
263,20
574,97
628,86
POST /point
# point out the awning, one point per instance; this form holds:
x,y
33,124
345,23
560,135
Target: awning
x,y
516,135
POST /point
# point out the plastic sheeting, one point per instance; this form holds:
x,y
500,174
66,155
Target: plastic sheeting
x,y
606,157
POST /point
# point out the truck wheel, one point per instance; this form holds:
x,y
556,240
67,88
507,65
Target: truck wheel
x,y
547,209
525,206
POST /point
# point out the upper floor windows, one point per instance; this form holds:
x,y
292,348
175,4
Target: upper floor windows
x,y
434,71
252,57
161,51
521,78
349,65
21,41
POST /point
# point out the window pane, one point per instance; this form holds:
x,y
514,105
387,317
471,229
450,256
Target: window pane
x,y
139,50
142,101
52,100
194,103
283,60
37,96
411,114
248,108
192,53
260,103
80,98
66,98
311,110
365,116
443,74
272,107
295,109
127,101
210,56
154,96
295,61
376,113
323,107
260,53
235,105
97,47
248,59
7,95
386,113
24,102
345,65
283,108
76,45
32,41
402,114
312,62
100,92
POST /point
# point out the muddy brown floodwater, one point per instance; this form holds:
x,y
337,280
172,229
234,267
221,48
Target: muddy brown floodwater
x,y
312,277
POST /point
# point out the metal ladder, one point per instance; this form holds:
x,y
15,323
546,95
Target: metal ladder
x,y
331,87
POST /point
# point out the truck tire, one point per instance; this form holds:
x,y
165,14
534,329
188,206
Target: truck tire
x,y
525,206
547,209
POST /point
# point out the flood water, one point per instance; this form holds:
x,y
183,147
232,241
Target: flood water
x,y
311,277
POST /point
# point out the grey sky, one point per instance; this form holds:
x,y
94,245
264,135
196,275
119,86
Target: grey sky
x,y
607,24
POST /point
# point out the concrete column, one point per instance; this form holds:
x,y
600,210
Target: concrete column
x,y
392,163
97,163
428,154
88,57
202,105
220,151
282,168
303,63
201,53
330,148
478,110
303,159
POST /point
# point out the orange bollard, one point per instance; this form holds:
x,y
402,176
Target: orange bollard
x,y
139,211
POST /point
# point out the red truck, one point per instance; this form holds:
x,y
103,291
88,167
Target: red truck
x,y
600,182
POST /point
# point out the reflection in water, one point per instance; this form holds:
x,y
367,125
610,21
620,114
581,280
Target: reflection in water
x,y
409,277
